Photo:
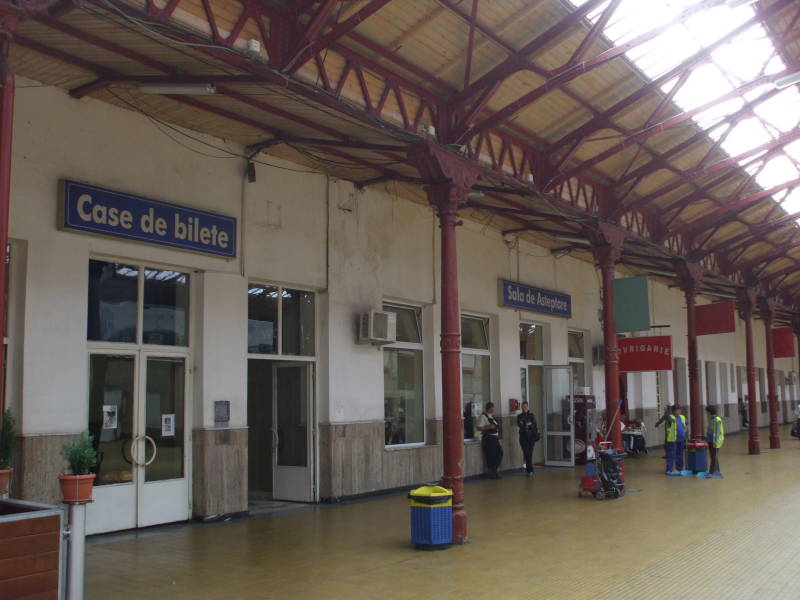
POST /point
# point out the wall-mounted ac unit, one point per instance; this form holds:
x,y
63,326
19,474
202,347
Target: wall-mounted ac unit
x,y
599,355
377,327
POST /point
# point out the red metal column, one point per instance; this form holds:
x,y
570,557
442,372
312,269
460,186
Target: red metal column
x,y
8,24
768,316
691,274
747,301
450,178
607,249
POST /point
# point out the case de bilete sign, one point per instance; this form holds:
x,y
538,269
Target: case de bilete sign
x,y
652,353
100,211
526,297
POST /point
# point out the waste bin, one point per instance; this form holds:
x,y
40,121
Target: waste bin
x,y
697,456
431,517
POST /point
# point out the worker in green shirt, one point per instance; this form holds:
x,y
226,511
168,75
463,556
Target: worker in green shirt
x,y
715,436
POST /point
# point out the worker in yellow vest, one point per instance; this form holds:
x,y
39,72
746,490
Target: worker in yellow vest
x,y
676,440
715,436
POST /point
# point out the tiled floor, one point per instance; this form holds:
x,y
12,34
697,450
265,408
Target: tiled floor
x,y
670,538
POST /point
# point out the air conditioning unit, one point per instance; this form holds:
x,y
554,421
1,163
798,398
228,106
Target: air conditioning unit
x,y
377,327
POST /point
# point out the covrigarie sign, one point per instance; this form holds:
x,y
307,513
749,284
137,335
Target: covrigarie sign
x,y
101,211
526,297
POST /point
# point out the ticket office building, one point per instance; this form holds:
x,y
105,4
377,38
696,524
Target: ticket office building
x,y
211,381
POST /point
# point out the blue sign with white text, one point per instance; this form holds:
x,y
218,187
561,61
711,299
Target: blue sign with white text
x,y
97,210
527,297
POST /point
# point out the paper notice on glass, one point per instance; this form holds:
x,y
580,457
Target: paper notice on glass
x,y
110,416
167,425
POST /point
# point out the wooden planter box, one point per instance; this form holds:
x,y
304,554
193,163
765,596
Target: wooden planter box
x,y
30,550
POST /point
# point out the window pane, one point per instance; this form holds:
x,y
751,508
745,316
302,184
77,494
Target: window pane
x,y
474,333
113,290
477,387
111,416
408,323
575,342
578,375
402,392
298,323
530,342
262,319
292,413
166,307
164,418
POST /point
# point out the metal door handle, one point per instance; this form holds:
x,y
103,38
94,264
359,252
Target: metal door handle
x,y
132,453
275,439
147,438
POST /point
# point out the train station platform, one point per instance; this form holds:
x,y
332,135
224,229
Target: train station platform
x,y
669,538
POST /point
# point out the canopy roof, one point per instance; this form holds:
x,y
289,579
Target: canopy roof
x,y
661,116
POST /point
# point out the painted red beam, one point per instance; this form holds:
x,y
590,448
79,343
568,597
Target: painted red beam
x,y
236,117
781,141
734,206
654,85
679,119
313,46
568,73
517,60
778,252
700,136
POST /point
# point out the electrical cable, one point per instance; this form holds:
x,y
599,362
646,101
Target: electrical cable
x,y
230,154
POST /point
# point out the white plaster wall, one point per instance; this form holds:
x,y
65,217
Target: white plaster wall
x,y
56,136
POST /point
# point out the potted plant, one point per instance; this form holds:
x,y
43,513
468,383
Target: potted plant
x,y
81,457
8,432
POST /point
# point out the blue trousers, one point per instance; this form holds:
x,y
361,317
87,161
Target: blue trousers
x,y
675,455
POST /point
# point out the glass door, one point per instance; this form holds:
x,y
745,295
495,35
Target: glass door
x,y
559,425
160,447
292,419
112,424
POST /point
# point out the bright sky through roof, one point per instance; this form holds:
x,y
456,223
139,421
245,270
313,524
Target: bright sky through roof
x,y
747,56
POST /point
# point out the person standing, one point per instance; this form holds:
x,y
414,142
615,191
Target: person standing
x,y
490,441
676,440
715,436
528,436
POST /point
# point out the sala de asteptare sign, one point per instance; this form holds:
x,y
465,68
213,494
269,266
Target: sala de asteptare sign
x,y
527,297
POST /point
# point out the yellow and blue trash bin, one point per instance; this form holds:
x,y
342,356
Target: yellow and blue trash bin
x,y
431,517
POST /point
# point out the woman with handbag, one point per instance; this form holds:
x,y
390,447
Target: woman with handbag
x,y
528,436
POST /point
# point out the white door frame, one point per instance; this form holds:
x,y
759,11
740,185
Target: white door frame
x,y
296,484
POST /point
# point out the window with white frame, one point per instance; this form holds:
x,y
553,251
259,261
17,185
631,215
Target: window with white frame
x,y
403,399
577,358
137,304
280,320
476,384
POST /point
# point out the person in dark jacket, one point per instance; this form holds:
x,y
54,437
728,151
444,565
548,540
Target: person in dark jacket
x,y
528,436
490,440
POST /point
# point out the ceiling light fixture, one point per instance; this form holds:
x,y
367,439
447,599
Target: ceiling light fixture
x,y
738,3
178,89
573,239
784,82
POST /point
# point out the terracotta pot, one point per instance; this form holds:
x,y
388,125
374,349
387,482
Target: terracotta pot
x,y
5,475
76,488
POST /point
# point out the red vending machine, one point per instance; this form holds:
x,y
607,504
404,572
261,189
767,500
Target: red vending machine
x,y
585,428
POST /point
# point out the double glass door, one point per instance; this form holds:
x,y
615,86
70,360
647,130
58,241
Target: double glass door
x,y
137,417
